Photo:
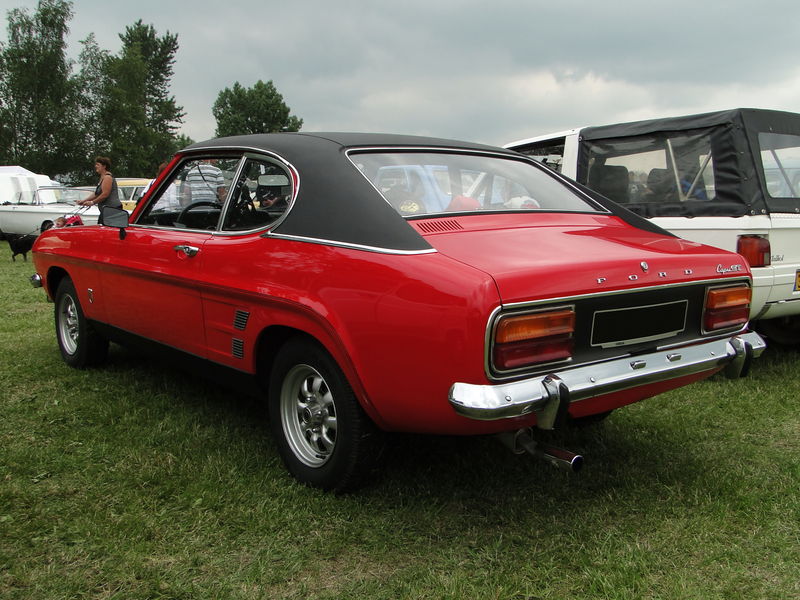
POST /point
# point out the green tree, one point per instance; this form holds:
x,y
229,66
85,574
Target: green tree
x,y
37,94
138,118
259,109
53,121
91,81
181,141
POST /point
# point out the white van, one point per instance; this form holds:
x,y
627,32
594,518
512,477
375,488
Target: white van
x,y
729,179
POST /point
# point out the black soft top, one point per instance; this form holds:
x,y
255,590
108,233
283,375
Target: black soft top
x,y
734,136
330,201
752,119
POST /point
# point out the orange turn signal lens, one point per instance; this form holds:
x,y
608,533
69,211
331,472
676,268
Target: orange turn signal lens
x,y
727,307
534,326
728,297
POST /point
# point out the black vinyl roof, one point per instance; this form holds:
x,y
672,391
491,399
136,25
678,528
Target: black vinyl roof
x,y
330,201
301,140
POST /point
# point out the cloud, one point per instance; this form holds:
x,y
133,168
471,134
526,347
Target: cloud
x,y
469,69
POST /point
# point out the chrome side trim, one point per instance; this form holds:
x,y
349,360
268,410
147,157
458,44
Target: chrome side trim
x,y
783,301
536,395
310,240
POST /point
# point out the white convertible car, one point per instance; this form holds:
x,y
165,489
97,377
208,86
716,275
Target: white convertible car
x,y
33,211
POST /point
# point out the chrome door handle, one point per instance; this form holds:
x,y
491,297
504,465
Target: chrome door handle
x,y
186,249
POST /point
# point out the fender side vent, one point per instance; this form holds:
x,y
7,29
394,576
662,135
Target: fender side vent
x,y
237,348
240,319
438,226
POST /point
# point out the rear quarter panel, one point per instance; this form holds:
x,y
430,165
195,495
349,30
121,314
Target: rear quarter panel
x,y
402,327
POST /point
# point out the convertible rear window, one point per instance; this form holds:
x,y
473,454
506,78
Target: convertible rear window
x,y
425,183
661,174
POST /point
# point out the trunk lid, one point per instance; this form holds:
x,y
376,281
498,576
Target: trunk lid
x,y
556,254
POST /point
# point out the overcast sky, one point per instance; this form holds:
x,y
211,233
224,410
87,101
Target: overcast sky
x,y
486,71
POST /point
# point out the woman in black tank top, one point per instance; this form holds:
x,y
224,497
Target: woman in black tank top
x,y
106,193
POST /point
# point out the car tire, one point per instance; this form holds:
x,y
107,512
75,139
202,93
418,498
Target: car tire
x,y
324,437
80,345
781,331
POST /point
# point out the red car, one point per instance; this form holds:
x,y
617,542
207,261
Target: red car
x,y
367,283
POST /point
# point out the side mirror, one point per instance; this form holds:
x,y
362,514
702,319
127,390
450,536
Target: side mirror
x,y
115,217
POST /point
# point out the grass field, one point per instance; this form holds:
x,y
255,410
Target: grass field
x,y
139,481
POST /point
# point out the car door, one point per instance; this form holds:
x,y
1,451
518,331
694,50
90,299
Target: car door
x,y
240,258
157,286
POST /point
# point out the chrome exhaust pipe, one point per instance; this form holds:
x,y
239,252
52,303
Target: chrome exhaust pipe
x,y
521,442
558,457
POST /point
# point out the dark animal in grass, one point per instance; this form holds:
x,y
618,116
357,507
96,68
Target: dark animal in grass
x,y
20,244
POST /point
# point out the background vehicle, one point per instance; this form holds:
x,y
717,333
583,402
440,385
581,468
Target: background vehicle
x,y
131,190
730,179
522,302
15,179
33,211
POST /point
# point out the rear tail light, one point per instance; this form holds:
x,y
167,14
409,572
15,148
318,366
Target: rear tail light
x,y
523,340
727,307
755,249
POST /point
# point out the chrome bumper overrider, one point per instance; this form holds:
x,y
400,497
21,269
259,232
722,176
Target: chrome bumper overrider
x,y
549,395
36,280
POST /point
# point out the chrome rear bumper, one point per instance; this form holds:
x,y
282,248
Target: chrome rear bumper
x,y
549,395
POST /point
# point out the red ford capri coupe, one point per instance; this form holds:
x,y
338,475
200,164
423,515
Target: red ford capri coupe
x,y
367,283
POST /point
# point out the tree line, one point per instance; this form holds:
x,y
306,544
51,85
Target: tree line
x,y
57,114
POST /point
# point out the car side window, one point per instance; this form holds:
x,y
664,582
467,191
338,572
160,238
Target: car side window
x,y
25,197
193,196
259,197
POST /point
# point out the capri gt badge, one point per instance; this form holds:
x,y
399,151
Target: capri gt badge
x,y
732,269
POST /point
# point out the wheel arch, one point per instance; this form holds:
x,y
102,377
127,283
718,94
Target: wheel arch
x,y
53,278
273,337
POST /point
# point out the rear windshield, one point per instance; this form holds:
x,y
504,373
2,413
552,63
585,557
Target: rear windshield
x,y
780,158
432,183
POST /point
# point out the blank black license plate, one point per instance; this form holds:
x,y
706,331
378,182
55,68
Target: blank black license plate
x,y
634,325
